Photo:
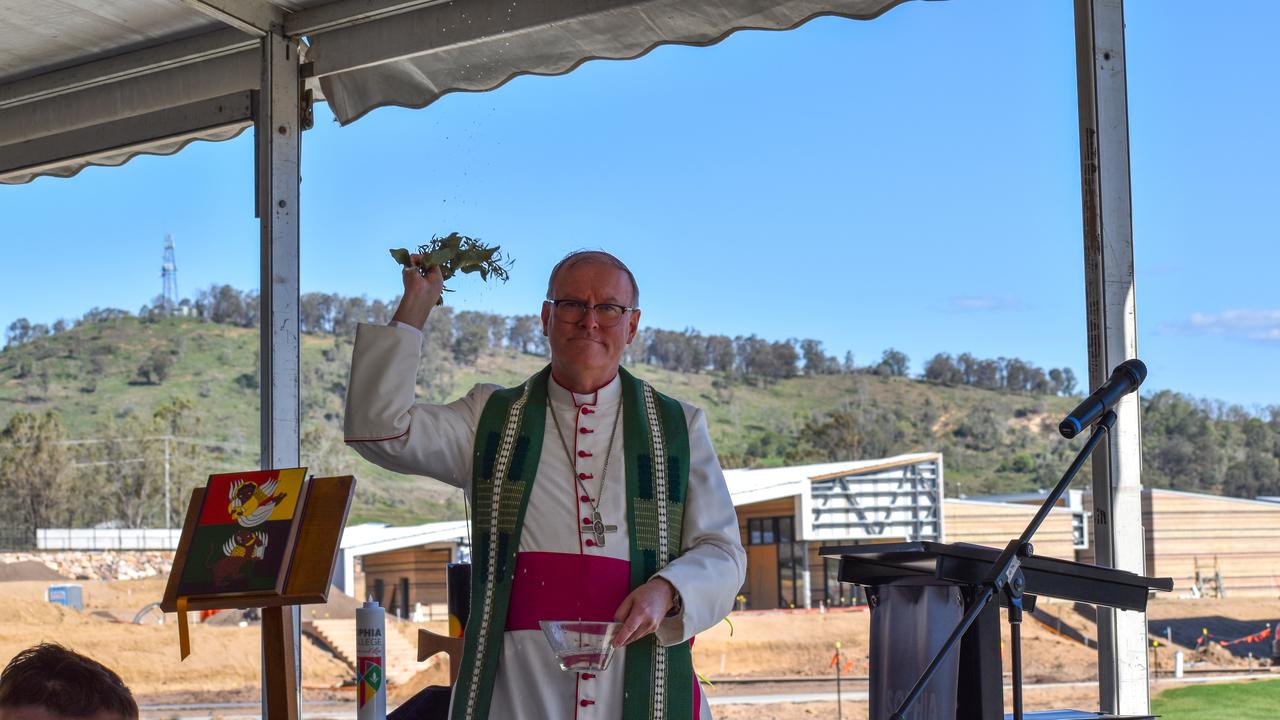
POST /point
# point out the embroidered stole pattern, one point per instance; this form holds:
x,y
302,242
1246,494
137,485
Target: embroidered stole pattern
x,y
508,445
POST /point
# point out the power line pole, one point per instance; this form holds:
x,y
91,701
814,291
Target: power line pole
x,y
169,272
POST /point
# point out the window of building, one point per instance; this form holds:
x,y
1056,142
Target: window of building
x,y
792,557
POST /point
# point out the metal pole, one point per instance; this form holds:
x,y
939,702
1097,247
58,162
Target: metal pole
x,y
1112,337
277,132
168,519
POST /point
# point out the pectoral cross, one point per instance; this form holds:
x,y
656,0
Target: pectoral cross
x,y
598,528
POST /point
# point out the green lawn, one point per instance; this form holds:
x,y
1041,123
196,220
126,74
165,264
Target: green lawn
x,y
1229,701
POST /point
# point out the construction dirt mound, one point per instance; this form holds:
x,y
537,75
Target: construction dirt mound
x,y
28,570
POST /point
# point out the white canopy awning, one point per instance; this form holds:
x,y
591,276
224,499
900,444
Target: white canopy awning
x,y
414,58
86,83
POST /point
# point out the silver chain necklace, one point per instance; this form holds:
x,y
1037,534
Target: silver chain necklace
x,y
597,526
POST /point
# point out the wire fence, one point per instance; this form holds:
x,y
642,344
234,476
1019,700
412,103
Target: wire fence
x,y
17,538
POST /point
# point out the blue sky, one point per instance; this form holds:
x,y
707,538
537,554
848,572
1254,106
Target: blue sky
x,y
909,182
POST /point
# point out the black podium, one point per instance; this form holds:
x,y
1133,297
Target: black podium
x,y
918,591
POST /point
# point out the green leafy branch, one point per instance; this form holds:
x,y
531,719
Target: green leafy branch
x,y
458,253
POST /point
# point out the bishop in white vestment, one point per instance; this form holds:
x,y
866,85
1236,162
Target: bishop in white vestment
x,y
574,557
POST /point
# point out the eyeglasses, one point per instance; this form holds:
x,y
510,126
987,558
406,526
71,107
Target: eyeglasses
x,y
572,311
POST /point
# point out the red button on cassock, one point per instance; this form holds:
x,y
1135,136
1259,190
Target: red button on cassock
x,y
585,703
591,543
583,453
586,521
585,499
586,676
586,410
585,430
585,476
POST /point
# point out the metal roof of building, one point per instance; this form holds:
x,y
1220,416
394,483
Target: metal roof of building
x,y
754,485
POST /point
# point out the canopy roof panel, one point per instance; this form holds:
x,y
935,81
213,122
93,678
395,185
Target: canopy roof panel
x,y
38,37
85,82
413,58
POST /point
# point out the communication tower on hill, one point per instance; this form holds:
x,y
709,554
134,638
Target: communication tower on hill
x,y
169,271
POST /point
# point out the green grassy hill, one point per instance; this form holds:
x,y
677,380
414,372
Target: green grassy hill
x,y
90,375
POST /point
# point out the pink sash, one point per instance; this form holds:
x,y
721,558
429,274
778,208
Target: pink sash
x,y
564,586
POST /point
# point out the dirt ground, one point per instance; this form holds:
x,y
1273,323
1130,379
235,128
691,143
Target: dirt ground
x,y
225,657
802,643
145,656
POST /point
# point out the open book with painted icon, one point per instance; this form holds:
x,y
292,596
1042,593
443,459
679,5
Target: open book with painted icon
x,y
244,535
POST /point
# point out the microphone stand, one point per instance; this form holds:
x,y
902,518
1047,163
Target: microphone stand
x,y
1005,577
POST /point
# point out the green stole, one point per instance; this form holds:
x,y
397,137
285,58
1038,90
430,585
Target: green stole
x,y
507,448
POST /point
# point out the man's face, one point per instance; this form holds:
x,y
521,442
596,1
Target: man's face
x,y
585,348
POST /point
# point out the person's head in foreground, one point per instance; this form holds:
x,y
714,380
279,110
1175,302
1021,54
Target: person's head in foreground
x,y
50,682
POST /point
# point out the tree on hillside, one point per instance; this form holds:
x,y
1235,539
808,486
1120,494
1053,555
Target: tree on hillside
x,y
988,374
1181,447
380,313
1037,382
525,335
44,378
23,365
155,369
497,330
1257,473
981,429
188,461
720,353
129,474
783,359
312,313
252,314
1068,382
102,315
680,351
1015,374
833,438
816,361
753,355
634,353
893,363
1057,381
435,373
221,304
18,333
349,313
471,336
943,370
33,470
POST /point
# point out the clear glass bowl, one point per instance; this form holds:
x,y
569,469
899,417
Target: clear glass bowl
x,y
581,645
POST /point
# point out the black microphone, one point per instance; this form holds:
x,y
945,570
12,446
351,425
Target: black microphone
x,y
1126,378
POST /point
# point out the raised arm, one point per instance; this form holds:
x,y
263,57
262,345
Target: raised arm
x,y
383,422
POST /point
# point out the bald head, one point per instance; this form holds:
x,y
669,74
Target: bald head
x,y
582,257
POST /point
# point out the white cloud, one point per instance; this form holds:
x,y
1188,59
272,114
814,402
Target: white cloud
x,y
984,303
1260,325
